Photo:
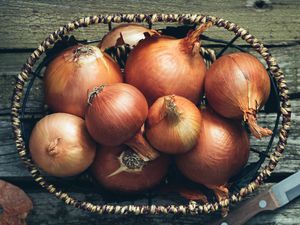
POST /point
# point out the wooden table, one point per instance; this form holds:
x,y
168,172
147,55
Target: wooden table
x,y
24,24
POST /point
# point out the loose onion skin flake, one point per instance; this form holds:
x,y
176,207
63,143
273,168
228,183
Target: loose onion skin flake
x,y
61,146
222,151
122,34
121,169
72,73
15,204
116,112
161,65
237,85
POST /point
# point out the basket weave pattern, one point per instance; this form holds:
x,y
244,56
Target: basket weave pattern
x,y
193,207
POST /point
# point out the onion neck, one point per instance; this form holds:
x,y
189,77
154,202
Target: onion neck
x,y
191,43
170,110
94,93
256,130
129,162
142,147
52,148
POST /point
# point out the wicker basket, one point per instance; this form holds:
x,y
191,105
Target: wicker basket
x,y
192,207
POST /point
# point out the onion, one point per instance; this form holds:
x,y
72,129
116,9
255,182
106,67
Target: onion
x,y
116,112
237,85
173,124
121,169
142,147
61,146
69,76
129,34
222,150
161,65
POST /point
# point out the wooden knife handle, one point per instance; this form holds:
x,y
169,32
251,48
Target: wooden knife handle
x,y
248,209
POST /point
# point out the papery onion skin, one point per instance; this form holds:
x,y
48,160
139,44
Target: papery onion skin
x,y
142,147
161,65
61,146
221,152
237,85
116,113
129,34
72,73
173,124
107,162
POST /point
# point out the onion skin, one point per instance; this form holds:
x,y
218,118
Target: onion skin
x,y
116,113
142,147
129,34
72,73
178,119
161,65
237,86
61,146
222,150
107,162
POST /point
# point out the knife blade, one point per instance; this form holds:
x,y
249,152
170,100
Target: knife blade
x,y
286,190
277,196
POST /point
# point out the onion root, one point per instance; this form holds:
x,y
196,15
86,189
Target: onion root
x,y
129,162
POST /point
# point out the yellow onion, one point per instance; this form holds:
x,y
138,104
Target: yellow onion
x,y
129,34
237,85
161,65
72,73
61,146
173,124
121,169
116,112
221,152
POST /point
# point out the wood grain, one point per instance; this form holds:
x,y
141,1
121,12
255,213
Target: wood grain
x,y
27,23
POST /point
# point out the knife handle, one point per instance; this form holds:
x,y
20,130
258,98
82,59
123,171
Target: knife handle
x,y
248,209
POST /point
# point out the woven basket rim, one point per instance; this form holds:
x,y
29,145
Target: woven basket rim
x,y
192,207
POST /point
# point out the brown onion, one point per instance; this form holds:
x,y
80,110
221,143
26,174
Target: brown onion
x,y
237,85
61,146
161,65
116,112
129,34
173,124
69,76
121,169
222,150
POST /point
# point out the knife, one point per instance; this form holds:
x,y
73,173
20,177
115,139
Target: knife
x,y
277,196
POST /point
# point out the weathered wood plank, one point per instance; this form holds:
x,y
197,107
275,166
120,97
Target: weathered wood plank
x,y
11,63
26,23
49,210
